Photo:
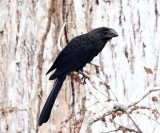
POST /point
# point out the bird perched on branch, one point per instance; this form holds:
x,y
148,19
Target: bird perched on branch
x,y
79,51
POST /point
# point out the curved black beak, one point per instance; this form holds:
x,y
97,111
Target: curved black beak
x,y
113,33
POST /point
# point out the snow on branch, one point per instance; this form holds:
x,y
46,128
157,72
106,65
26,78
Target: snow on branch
x,y
90,117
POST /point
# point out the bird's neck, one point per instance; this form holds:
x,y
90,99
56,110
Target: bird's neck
x,y
97,41
100,45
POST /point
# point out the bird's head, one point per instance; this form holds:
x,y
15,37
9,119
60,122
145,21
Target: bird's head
x,y
104,33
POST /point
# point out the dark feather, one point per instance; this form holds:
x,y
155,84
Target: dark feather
x,y
46,111
79,51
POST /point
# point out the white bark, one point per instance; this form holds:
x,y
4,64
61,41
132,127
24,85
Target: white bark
x,y
91,118
30,39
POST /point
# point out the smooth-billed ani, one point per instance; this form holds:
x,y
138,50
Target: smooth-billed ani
x,y
79,51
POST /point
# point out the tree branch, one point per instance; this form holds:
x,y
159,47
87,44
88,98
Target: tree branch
x,y
90,117
156,88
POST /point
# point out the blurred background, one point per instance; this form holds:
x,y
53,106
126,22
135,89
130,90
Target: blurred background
x,y
31,35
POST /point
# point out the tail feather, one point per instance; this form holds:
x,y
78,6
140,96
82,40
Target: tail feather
x,y
46,111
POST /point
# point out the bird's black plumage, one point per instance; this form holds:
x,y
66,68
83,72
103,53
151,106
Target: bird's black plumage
x,y
79,51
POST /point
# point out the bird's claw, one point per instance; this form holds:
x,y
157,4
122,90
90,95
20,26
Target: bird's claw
x,y
84,76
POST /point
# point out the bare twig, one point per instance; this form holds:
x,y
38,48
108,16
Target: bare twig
x,y
157,109
156,88
98,90
113,131
90,117
109,89
124,127
149,118
117,101
134,123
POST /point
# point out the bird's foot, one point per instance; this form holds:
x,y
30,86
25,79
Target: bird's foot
x,y
84,76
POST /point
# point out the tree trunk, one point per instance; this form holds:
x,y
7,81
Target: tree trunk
x,y
30,41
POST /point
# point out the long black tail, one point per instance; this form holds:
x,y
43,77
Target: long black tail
x,y
46,111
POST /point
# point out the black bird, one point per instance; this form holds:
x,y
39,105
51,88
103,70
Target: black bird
x,y
79,51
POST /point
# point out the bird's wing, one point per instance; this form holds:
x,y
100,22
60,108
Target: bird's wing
x,y
69,50
75,55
